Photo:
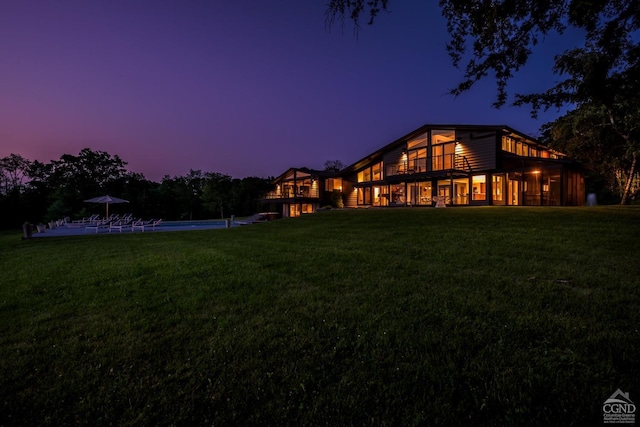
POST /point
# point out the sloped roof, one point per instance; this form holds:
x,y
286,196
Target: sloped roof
x,y
314,172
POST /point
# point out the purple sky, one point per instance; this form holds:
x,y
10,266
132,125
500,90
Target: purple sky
x,y
242,87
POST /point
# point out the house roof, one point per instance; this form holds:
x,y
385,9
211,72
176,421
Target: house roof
x,y
314,172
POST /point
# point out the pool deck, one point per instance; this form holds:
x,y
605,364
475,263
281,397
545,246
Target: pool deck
x,y
77,230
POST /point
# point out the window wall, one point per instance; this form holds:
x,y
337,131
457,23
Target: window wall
x,y
479,187
419,193
376,172
498,189
364,196
417,154
295,210
372,173
522,148
444,189
514,188
461,191
331,184
380,195
397,194
442,156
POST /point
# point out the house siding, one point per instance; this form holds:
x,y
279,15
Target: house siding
x,y
479,148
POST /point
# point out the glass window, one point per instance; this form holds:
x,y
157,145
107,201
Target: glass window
x,y
397,194
514,188
508,144
377,171
461,191
419,193
444,189
419,141
479,187
380,195
440,136
331,184
497,186
364,175
364,196
443,156
417,160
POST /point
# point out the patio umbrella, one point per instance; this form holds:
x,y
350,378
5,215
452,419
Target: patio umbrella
x,y
106,200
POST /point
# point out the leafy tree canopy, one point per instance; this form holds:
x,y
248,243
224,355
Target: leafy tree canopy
x,y
497,36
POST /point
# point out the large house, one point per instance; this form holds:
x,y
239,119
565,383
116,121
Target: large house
x,y
456,165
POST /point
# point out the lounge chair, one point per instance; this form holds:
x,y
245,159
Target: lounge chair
x,y
97,226
151,224
119,225
87,220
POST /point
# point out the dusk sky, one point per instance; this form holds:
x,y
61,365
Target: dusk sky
x,y
242,87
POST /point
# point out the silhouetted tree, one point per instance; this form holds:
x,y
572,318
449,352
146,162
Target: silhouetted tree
x,y
333,165
217,193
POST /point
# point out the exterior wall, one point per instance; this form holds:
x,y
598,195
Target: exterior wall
x,y
390,158
479,148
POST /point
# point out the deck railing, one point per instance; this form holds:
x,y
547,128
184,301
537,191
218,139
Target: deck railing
x,y
292,194
443,162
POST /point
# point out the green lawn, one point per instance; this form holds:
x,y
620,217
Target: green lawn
x,y
458,316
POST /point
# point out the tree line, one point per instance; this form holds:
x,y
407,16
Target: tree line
x,y
32,191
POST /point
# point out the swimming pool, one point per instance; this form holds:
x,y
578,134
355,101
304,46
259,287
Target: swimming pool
x,y
199,224
163,226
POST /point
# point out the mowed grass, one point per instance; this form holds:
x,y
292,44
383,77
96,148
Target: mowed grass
x,y
469,316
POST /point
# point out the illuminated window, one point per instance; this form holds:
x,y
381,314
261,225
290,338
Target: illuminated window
x,y
440,136
380,195
419,193
444,189
417,160
364,175
461,191
479,187
497,185
508,144
376,171
331,184
364,196
442,156
417,142
397,194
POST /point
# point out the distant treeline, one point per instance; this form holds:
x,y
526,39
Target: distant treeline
x,y
31,191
